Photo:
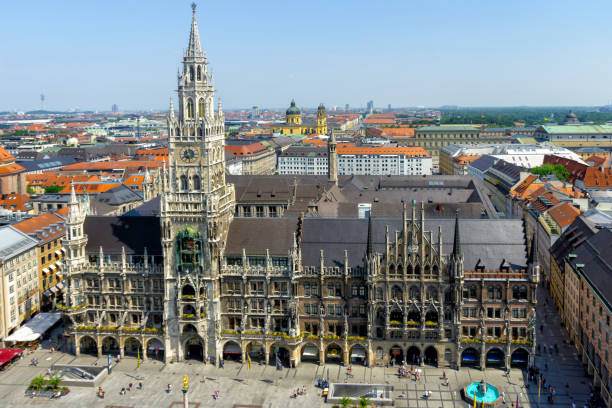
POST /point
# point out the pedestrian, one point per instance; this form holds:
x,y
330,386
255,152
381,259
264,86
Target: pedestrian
x,y
130,386
169,388
504,397
123,391
444,374
140,385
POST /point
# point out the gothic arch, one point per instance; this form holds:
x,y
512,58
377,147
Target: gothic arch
x,y
197,184
201,108
189,108
432,293
199,75
191,74
184,183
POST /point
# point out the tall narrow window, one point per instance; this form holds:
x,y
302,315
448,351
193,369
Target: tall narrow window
x,y
196,183
191,73
199,74
201,108
184,184
190,108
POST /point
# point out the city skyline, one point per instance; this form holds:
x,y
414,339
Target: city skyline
x,y
128,54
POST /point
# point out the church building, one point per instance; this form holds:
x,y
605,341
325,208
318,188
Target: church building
x,y
295,126
274,280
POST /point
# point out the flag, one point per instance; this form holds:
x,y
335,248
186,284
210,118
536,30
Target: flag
x,y
248,361
474,399
517,403
138,356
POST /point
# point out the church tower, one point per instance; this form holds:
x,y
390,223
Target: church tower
x,y
332,159
321,120
196,209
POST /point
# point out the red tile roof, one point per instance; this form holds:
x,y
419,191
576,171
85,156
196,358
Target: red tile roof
x,y
598,177
564,214
14,202
41,226
412,151
247,150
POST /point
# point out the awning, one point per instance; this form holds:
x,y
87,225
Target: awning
x,y
52,266
46,270
47,293
232,348
59,274
358,352
469,356
155,345
7,355
58,252
60,286
58,263
63,250
310,351
495,356
54,289
35,328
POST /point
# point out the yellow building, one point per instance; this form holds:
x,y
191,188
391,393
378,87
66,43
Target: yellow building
x,y
48,230
294,126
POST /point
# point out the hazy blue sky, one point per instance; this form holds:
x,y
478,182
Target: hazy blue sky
x,y
91,54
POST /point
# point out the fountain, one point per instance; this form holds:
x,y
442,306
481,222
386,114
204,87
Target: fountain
x,y
484,393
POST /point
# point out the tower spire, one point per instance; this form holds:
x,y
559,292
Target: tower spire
x,y
533,254
194,48
370,250
457,241
171,109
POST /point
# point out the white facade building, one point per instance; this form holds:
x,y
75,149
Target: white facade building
x,y
353,160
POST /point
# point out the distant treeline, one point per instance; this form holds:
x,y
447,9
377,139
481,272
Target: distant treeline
x,y
508,117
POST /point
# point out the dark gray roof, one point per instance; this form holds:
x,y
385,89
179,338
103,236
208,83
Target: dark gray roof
x,y
487,240
256,235
484,163
118,195
512,171
36,165
579,231
596,256
149,208
305,151
133,233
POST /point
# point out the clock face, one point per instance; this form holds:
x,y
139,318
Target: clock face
x,y
189,155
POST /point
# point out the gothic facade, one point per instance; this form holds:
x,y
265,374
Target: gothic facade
x,y
202,280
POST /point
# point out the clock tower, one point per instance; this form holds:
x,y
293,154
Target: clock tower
x,y
196,209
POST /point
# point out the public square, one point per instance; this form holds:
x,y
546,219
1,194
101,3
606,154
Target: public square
x,y
266,387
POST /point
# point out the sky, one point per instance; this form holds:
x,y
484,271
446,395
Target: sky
x,y
92,54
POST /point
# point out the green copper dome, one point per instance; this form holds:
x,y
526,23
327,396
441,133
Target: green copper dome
x,y
293,110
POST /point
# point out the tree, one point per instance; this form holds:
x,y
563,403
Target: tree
x,y
54,189
345,402
54,383
557,170
37,383
364,402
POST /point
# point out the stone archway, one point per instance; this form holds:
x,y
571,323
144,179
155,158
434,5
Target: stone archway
x,y
431,356
334,354
132,347
194,349
495,358
110,345
256,351
87,345
358,354
155,349
280,354
232,351
310,353
519,358
413,355
396,354
470,357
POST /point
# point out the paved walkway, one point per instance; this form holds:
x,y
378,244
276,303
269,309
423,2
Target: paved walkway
x,y
265,386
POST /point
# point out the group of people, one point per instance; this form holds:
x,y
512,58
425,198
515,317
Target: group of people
x,y
413,373
427,395
298,391
129,388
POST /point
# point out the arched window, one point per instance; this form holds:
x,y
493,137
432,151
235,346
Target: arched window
x,y
515,292
435,271
199,131
201,108
391,270
177,132
432,293
409,270
190,108
191,73
417,270
196,183
184,184
414,293
199,73
396,292
379,293
523,293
